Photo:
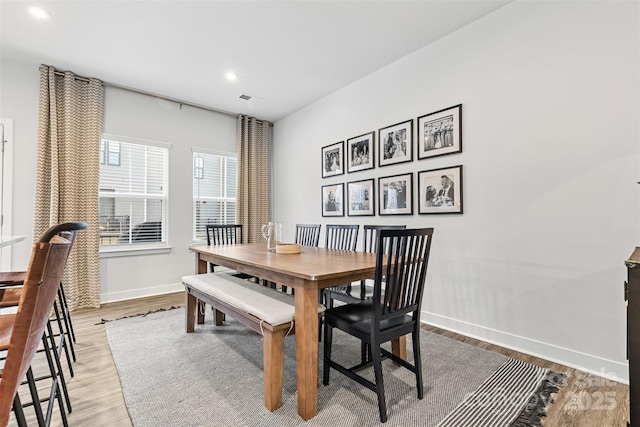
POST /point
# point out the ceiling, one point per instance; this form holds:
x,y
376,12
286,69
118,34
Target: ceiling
x,y
287,54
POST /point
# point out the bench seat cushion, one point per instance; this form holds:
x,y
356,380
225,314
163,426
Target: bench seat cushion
x,y
270,305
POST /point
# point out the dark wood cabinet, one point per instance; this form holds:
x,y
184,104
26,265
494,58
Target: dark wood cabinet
x,y
632,296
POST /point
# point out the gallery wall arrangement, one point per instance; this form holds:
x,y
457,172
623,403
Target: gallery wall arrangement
x,y
439,190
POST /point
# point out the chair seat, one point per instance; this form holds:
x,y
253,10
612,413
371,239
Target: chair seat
x,y
359,316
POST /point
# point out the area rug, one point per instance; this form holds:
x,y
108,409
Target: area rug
x,y
213,377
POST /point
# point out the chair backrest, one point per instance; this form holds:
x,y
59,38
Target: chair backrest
x,y
342,237
401,265
370,236
227,234
308,235
48,259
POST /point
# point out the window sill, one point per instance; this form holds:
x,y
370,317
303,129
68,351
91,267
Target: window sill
x,y
134,251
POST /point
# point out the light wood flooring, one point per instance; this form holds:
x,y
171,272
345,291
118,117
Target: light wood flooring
x,y
584,401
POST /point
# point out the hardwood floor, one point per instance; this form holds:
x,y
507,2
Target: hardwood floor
x,y
585,400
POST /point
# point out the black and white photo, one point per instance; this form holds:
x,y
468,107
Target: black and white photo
x,y
360,152
361,198
440,190
440,133
333,159
332,200
394,193
396,143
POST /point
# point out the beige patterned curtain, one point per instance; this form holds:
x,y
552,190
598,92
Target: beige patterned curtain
x,y
70,120
254,141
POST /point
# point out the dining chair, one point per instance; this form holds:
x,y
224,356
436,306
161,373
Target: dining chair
x,y
342,237
401,259
224,234
350,293
21,332
306,235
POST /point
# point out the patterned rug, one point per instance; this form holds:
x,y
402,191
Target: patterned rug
x,y
213,377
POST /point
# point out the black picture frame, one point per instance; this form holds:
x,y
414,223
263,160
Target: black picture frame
x,y
395,194
361,198
333,159
333,200
437,197
395,143
440,133
361,152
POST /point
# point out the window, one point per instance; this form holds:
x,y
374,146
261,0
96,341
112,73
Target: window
x,y
198,167
110,153
133,193
214,191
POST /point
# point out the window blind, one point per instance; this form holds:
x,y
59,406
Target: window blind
x,y
133,193
214,191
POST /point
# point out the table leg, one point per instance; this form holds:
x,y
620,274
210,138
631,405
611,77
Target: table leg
x,y
201,265
399,347
306,324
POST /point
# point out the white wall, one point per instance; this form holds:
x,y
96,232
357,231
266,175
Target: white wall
x,y
550,100
19,85
183,127
130,115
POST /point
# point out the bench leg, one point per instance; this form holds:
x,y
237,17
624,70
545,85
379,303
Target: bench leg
x,y
273,354
190,313
218,317
200,312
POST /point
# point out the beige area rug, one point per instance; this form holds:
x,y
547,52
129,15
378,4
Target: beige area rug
x,y
213,377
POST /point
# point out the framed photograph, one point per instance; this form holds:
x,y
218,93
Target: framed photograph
x,y
360,152
394,194
440,190
440,133
396,143
361,198
333,200
333,159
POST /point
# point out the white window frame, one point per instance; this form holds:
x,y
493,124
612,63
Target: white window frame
x,y
196,180
127,249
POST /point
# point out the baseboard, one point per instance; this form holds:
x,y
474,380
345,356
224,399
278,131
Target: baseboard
x,y
140,293
609,369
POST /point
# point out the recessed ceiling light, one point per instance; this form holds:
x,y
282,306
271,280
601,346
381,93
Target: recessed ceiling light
x,y
231,76
38,12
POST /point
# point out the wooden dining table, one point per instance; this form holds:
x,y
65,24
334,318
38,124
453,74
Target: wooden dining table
x,y
306,272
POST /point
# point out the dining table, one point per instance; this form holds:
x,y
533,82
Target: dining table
x,y
306,272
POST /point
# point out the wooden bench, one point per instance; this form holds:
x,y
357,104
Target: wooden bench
x,y
267,311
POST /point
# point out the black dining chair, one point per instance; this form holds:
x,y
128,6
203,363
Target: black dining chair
x,y
401,259
224,234
342,237
306,235
350,293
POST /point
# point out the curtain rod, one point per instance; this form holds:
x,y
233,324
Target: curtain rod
x,y
141,92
